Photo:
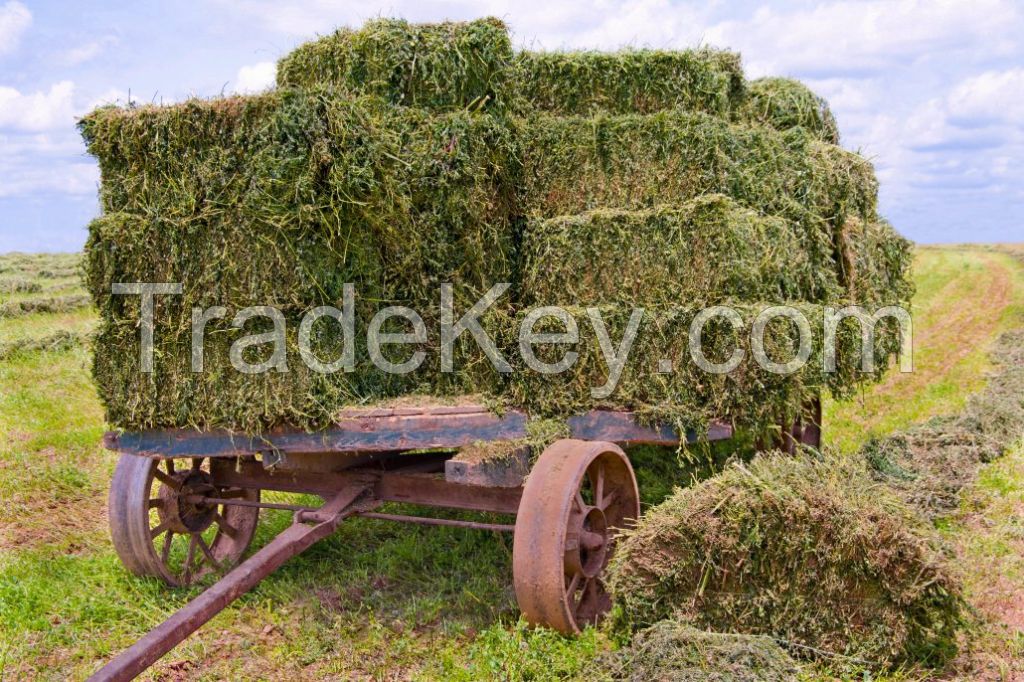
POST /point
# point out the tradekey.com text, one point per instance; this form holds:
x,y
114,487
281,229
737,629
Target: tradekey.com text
x,y
540,328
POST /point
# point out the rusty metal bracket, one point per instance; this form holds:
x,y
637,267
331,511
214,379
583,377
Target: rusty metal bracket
x,y
290,543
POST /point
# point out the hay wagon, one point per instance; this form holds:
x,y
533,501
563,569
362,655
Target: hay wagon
x,y
202,490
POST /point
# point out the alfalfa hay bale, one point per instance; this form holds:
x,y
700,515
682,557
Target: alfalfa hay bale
x,y
784,103
707,250
674,651
280,199
630,81
806,550
751,395
875,262
450,65
576,164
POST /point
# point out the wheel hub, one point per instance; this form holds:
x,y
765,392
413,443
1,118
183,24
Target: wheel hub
x,y
181,510
586,546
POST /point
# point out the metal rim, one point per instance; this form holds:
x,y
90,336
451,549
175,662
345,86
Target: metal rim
x,y
577,497
161,527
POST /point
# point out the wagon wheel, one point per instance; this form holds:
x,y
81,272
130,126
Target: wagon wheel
x,y
806,428
577,496
161,527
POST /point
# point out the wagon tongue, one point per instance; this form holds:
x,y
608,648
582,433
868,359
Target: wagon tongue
x,y
309,528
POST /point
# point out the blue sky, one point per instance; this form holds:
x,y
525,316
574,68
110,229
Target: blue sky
x,y
932,92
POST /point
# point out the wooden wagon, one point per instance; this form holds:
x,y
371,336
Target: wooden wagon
x,y
201,492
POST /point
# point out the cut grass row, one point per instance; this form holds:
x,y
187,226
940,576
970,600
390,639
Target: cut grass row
x,y
965,298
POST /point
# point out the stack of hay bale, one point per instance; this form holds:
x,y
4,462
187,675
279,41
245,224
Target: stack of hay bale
x,y
397,157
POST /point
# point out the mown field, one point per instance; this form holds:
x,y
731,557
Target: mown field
x,y
386,602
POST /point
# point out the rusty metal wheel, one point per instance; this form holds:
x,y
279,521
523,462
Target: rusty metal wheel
x,y
162,527
576,498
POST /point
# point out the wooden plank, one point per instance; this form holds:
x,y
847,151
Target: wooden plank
x,y
621,427
507,471
440,428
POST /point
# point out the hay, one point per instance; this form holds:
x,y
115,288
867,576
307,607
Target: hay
x,y
57,341
784,103
808,551
572,165
397,157
707,251
930,464
875,262
630,81
688,397
440,66
46,304
281,199
680,653
19,285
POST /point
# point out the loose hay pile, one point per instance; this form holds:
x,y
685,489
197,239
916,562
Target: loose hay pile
x,y
804,550
397,157
672,652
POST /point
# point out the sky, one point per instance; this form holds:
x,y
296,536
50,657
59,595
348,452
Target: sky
x,y
931,91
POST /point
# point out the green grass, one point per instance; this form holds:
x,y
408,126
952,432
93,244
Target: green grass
x,y
965,298
377,600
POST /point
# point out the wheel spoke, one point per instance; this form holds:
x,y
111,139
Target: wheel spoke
x,y
166,479
190,555
607,501
169,463
584,591
206,552
165,551
197,463
571,589
155,532
228,529
580,503
599,486
156,502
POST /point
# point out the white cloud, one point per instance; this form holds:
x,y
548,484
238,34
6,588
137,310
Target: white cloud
x,y
843,38
14,21
989,97
22,178
255,78
87,51
38,110
547,25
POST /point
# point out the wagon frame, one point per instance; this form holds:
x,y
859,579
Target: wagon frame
x,y
568,506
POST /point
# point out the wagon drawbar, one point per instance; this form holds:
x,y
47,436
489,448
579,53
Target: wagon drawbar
x,y
185,503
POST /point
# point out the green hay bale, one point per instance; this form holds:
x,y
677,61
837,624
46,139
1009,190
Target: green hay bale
x,y
282,198
875,263
222,397
440,66
707,250
784,103
572,165
630,81
806,550
751,397
674,651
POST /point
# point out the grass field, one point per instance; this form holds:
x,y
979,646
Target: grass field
x,y
389,602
